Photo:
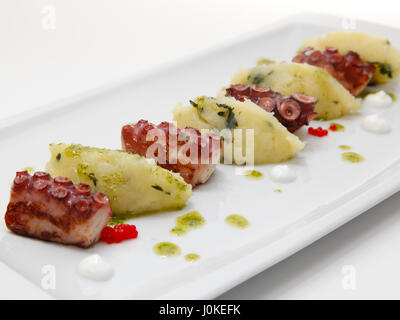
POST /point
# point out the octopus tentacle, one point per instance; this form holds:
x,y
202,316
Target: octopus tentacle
x,y
56,209
353,73
293,112
200,166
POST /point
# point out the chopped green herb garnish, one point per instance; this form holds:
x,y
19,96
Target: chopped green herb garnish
x,y
194,104
73,151
118,219
231,121
157,187
58,157
93,178
83,173
258,79
384,68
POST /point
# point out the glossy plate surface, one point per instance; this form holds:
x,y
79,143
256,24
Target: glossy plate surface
x,y
327,193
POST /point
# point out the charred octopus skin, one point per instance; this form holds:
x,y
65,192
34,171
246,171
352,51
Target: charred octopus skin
x,y
353,73
293,112
56,210
142,138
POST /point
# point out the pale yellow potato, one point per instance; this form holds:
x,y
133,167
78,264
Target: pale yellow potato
x,y
334,101
133,183
370,48
272,141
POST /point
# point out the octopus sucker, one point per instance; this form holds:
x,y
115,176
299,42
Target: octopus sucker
x,y
352,72
139,139
292,111
56,210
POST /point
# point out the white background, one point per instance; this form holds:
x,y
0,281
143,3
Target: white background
x,y
95,42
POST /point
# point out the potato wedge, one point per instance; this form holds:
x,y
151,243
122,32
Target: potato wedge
x,y
334,100
272,141
133,183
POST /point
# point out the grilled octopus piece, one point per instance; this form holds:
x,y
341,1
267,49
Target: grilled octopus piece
x,y
353,73
56,210
293,112
195,167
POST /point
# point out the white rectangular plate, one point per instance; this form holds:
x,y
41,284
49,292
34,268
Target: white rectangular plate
x,y
327,193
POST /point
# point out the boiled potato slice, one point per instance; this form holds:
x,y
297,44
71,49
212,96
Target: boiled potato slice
x,y
272,141
334,100
133,183
371,49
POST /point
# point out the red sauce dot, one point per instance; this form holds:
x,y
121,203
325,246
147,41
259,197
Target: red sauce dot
x,y
333,127
118,233
318,132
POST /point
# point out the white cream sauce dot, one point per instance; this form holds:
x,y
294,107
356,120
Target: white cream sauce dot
x,y
378,100
94,267
376,124
282,173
